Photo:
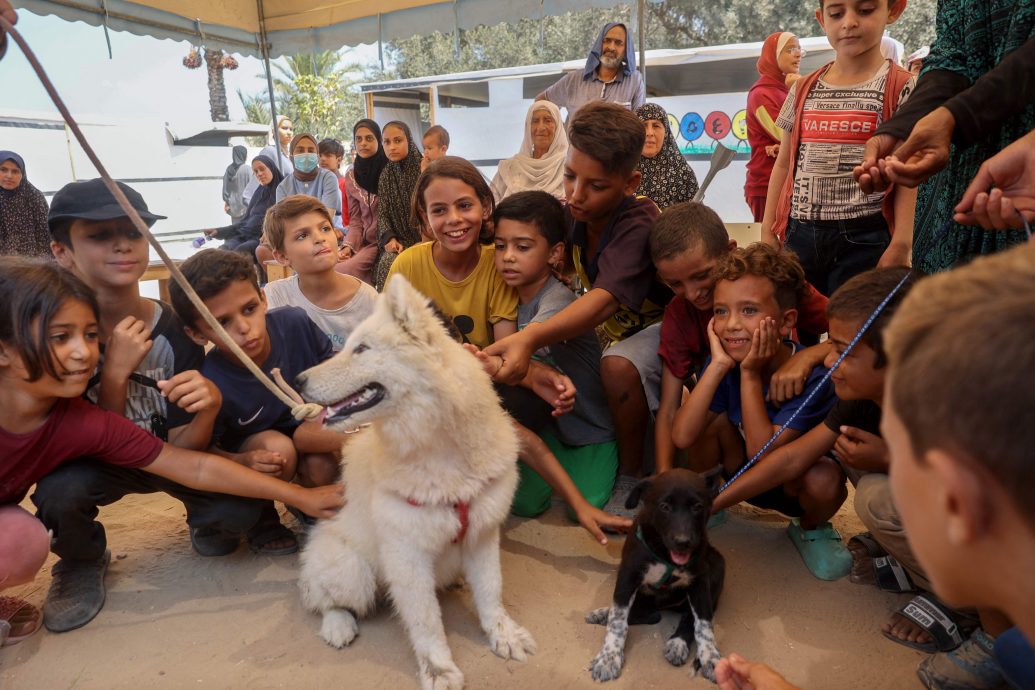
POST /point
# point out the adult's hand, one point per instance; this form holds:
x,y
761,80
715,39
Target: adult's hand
x,y
868,173
1012,174
925,152
737,673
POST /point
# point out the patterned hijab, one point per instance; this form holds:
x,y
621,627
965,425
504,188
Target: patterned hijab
x,y
667,177
23,215
368,170
523,172
395,189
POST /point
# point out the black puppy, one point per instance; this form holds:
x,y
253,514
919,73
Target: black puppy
x,y
667,563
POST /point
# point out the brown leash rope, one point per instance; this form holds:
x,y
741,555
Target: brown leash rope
x,y
280,388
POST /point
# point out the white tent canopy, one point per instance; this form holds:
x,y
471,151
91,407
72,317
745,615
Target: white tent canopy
x,y
294,26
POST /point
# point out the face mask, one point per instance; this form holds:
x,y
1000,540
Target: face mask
x,y
305,162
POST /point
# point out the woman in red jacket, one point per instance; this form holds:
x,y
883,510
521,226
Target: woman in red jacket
x,y
778,65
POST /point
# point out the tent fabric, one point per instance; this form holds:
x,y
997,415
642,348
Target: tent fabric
x,y
294,26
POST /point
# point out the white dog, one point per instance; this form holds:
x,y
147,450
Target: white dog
x,y
427,485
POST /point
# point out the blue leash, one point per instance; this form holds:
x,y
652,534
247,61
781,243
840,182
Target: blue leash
x,y
826,377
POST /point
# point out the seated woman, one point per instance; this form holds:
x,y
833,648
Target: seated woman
x,y
23,211
396,230
277,151
667,177
244,235
539,164
360,249
309,178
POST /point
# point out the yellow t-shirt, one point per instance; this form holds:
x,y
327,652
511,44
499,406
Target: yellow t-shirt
x,y
474,303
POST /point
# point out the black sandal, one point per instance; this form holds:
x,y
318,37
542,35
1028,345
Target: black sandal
x,y
946,627
261,536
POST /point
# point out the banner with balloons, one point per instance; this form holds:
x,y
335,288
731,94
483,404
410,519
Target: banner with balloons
x,y
699,121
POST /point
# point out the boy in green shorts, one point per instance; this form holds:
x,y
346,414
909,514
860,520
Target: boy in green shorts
x,y
529,243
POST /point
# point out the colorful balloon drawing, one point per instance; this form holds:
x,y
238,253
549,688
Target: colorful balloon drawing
x,y
718,124
691,127
740,128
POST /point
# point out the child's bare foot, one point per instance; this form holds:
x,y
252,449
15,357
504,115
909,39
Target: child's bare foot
x,y
905,630
864,548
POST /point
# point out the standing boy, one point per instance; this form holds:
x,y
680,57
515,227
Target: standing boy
x,y
148,372
529,243
757,290
301,232
331,153
609,232
254,427
814,204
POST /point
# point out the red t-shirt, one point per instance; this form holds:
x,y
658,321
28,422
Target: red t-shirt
x,y
684,337
344,203
75,429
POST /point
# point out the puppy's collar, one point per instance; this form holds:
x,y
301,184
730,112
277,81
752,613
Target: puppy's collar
x,y
669,565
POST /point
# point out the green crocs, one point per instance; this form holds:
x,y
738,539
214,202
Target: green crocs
x,y
824,553
717,519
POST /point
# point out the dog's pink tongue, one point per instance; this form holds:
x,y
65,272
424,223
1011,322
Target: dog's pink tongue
x,y
679,558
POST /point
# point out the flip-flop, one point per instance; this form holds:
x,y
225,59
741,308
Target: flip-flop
x,y
824,553
946,627
18,620
259,540
891,576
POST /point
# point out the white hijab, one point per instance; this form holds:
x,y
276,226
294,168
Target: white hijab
x,y
523,173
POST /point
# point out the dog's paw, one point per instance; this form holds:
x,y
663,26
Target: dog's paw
x,y
677,651
607,665
510,641
598,616
441,676
706,660
339,628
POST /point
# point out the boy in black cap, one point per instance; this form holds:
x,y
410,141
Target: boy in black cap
x,y
148,373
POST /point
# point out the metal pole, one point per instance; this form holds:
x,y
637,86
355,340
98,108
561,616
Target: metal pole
x,y
640,30
264,44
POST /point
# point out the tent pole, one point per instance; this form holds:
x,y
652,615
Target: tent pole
x,y
269,75
640,30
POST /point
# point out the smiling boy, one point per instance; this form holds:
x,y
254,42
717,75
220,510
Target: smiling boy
x,y
757,290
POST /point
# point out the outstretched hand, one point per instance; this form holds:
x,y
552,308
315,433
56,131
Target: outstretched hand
x,y
592,519
516,353
1003,189
925,152
321,501
868,173
737,673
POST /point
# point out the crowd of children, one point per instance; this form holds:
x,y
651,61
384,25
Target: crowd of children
x,y
622,340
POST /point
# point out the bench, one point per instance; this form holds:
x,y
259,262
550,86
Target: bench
x,y
157,270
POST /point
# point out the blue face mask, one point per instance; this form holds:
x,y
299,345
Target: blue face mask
x,y
305,162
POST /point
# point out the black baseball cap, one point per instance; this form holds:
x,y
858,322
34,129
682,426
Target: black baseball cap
x,y
91,200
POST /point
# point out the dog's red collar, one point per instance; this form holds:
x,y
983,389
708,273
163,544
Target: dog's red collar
x,y
462,509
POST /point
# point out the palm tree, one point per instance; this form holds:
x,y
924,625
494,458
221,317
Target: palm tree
x,y
215,62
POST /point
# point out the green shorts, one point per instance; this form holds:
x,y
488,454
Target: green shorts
x,y
592,468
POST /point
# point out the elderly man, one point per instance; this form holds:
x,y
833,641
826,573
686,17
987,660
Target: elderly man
x,y
610,75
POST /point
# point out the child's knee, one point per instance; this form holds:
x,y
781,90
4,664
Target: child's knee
x,y
619,375
825,482
24,546
319,469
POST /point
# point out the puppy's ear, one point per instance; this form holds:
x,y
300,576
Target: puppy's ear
x,y
634,496
713,479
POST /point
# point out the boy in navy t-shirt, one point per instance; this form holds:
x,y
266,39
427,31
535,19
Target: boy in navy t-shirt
x,y
253,427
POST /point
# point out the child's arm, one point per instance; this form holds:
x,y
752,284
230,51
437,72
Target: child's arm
x,y
195,394
789,380
536,454
898,251
582,315
758,427
777,179
695,415
542,379
312,437
127,346
778,467
671,397
212,473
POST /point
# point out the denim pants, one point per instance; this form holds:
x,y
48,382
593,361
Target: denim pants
x,y
832,251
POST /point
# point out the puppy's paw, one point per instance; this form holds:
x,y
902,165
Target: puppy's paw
x,y
598,616
607,664
707,657
510,641
677,651
443,675
339,628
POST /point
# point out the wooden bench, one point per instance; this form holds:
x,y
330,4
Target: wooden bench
x,y
157,270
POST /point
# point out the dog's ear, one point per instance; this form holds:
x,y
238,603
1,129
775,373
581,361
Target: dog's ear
x,y
634,496
713,479
410,310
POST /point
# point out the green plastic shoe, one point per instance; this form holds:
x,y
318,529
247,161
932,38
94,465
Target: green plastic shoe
x,y
717,519
822,549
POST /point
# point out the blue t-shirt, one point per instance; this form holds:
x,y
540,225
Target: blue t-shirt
x,y
296,344
727,399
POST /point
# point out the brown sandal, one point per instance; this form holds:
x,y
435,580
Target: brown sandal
x,y
18,620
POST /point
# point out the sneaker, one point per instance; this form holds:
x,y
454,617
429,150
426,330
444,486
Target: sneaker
x,y
624,485
76,593
824,553
971,666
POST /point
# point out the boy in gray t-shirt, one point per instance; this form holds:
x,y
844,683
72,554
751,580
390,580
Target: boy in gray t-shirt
x,y
529,244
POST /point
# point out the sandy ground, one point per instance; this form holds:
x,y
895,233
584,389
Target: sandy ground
x,y
176,620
